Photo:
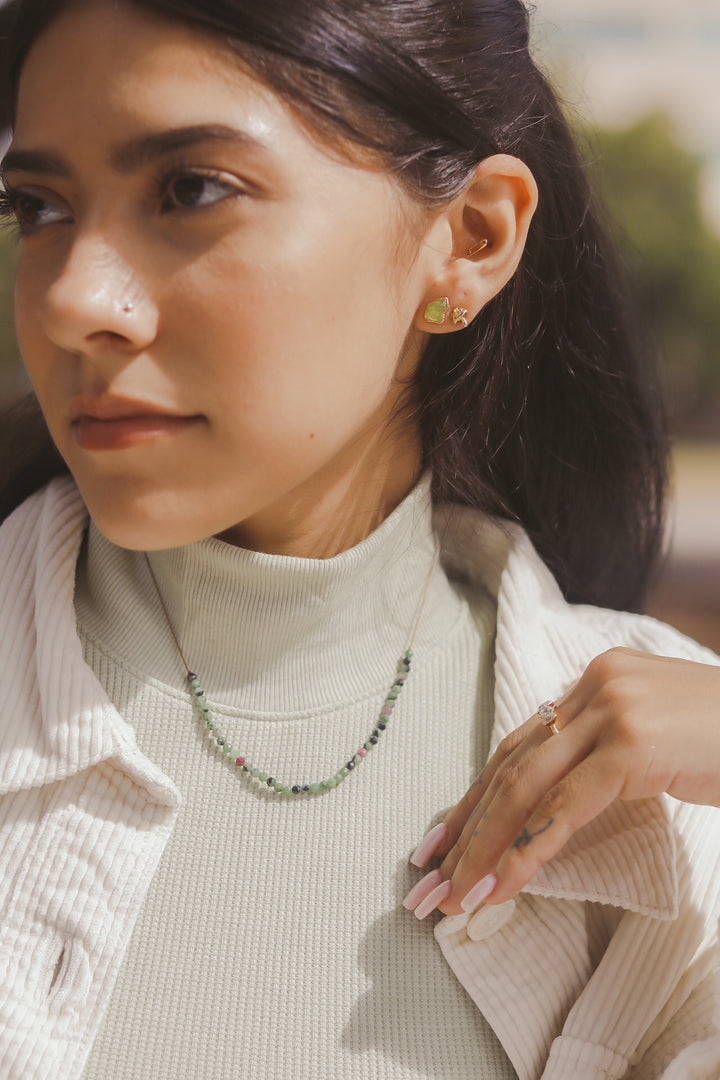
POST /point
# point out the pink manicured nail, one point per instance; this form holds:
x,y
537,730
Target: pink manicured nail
x,y
429,845
421,888
440,893
478,893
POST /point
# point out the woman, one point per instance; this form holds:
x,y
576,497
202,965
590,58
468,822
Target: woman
x,y
285,269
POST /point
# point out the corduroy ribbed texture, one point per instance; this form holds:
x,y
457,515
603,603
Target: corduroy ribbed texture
x,y
85,817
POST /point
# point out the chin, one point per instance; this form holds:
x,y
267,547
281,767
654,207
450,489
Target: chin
x,y
150,521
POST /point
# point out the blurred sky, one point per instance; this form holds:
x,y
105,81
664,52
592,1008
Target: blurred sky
x,y
616,60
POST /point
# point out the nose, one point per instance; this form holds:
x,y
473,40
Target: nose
x,y
96,302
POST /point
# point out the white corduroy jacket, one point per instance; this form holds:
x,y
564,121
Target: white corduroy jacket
x,y
604,967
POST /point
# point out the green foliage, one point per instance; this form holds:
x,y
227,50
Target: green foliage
x,y
651,187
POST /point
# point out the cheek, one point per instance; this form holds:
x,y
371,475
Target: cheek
x,y
296,345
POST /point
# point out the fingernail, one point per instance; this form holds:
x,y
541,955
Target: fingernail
x,y
421,889
479,892
440,893
429,845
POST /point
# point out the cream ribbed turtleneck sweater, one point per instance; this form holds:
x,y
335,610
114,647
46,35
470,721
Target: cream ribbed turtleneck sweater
x,y
272,943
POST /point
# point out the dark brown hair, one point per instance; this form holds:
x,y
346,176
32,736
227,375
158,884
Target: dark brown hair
x,y
545,410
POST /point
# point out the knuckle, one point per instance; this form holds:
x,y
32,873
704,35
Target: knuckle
x,y
511,783
510,743
602,667
553,805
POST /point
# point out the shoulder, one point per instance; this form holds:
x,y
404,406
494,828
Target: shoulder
x,y
499,556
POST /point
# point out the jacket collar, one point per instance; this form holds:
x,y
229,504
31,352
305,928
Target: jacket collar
x,y
78,725
626,856
542,645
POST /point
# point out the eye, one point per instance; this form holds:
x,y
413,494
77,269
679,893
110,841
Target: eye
x,y
194,190
30,211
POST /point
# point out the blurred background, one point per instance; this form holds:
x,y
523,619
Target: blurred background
x,y
641,83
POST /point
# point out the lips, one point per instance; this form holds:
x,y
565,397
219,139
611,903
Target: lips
x,y
122,423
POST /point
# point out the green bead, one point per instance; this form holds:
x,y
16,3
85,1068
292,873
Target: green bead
x,y
227,749
357,759
262,776
368,745
436,310
394,693
332,782
344,771
314,788
279,787
287,790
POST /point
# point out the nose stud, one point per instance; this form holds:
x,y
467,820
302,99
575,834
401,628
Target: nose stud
x,y
128,309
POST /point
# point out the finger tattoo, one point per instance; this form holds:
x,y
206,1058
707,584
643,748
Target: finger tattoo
x,y
526,838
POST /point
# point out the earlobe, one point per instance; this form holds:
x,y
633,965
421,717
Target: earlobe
x,y
437,311
485,229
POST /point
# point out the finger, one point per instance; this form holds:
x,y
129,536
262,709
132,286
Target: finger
x,y
533,734
579,797
520,789
456,820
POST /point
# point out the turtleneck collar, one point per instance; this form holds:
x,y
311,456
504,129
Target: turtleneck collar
x,y
273,633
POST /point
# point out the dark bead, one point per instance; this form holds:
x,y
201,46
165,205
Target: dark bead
x,y
350,765
245,768
306,787
269,781
376,733
373,739
296,789
381,725
191,675
220,741
199,692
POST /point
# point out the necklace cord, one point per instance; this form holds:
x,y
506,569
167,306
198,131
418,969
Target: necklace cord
x,y
222,744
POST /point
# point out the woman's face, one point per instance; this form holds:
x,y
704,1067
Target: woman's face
x,y
214,311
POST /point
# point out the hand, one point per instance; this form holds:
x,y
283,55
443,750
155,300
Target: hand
x,y
633,726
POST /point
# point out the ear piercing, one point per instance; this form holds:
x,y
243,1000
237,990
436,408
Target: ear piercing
x,y
437,310
477,248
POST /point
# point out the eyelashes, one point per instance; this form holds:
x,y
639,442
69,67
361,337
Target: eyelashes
x,y
8,204
180,188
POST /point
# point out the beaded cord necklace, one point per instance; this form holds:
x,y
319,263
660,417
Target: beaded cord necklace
x,y
263,776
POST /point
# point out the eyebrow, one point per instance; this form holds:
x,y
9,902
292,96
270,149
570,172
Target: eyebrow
x,y
132,155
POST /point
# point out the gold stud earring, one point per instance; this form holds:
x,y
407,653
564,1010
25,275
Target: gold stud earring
x,y
477,248
458,316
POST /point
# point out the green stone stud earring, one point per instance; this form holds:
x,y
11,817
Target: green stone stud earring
x,y
436,311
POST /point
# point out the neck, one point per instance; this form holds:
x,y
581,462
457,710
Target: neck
x,y
273,633
339,506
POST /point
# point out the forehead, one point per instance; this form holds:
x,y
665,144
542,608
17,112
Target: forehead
x,y
101,63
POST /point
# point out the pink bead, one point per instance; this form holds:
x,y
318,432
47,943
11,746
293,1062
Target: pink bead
x,y
362,752
240,761
387,711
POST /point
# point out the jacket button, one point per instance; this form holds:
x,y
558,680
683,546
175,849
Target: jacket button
x,y
489,919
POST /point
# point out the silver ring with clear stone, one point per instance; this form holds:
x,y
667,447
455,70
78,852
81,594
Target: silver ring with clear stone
x,y
548,714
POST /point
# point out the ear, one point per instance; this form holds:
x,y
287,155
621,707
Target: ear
x,y
462,273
